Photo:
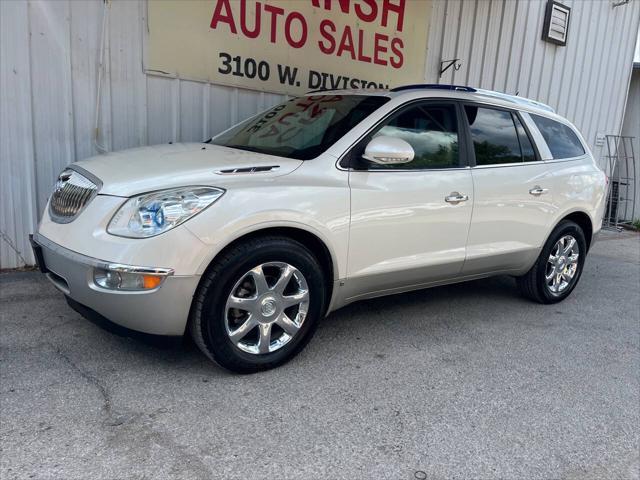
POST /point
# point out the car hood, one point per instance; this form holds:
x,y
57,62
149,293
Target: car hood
x,y
144,169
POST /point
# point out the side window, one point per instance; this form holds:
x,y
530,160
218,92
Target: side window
x,y
432,131
528,153
494,135
561,139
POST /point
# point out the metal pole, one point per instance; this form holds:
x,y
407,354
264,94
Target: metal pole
x,y
611,164
635,182
619,176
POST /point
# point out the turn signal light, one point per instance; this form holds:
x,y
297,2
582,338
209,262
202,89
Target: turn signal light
x,y
151,281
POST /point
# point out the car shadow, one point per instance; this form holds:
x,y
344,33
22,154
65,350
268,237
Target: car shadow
x,y
428,310
490,289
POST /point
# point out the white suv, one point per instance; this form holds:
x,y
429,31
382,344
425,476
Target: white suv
x,y
249,239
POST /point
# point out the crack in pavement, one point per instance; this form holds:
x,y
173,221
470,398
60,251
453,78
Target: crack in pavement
x,y
138,426
141,431
104,392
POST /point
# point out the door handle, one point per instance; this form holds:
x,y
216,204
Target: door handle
x,y
538,190
456,197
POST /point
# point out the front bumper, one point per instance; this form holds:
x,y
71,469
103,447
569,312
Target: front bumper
x,y
162,311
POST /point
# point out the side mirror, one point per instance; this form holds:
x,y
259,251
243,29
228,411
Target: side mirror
x,y
385,150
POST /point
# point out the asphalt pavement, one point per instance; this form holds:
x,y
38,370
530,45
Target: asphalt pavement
x,y
465,381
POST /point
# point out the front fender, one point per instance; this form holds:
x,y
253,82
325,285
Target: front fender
x,y
315,210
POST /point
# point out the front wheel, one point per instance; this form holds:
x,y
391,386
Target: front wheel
x,y
259,304
559,266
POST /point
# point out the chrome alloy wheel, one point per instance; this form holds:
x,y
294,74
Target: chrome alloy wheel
x,y
562,264
266,307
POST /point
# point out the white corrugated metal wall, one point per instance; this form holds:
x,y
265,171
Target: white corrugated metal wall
x,y
499,45
631,128
49,76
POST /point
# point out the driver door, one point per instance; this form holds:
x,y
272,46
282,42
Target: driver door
x,y
410,222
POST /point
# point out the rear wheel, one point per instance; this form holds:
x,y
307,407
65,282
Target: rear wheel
x,y
259,304
559,266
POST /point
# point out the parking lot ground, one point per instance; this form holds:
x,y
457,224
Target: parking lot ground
x,y
464,381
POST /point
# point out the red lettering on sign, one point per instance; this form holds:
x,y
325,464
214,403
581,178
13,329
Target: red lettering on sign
x,y
368,10
243,20
357,43
361,56
287,29
327,28
388,6
218,16
373,11
344,5
274,11
379,48
396,47
346,43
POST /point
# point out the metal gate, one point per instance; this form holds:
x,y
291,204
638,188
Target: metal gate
x,y
621,168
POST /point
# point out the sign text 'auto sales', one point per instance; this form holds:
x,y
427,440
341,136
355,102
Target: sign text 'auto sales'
x,y
290,46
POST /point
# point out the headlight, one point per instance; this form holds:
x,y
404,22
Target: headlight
x,y
155,213
120,280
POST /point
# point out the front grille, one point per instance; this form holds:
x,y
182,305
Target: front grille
x,y
72,193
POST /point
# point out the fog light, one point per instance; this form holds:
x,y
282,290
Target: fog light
x,y
114,280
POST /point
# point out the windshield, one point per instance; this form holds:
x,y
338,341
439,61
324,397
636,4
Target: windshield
x,y
301,128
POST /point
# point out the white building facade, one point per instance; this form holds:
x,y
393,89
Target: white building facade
x,y
631,128
73,83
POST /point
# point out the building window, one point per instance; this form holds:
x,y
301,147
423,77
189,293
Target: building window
x,y
556,23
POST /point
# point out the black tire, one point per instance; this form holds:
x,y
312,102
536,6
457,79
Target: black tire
x,y
207,321
533,284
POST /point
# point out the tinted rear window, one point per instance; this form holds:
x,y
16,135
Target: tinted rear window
x,y
561,139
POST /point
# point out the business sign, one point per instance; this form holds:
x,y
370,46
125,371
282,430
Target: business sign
x,y
289,46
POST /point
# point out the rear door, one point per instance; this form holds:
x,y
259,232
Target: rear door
x,y
405,228
513,205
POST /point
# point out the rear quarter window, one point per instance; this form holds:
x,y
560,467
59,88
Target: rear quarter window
x,y
561,139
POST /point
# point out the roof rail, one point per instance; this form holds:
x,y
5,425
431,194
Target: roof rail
x,y
515,99
433,86
489,93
